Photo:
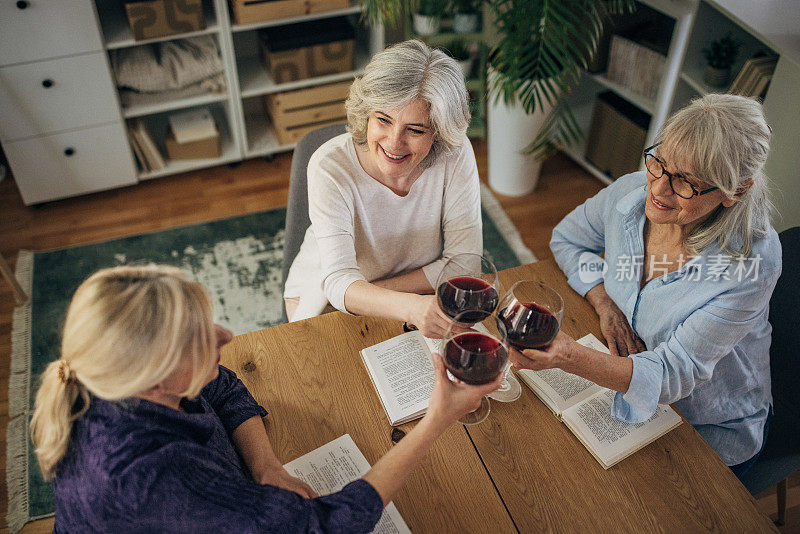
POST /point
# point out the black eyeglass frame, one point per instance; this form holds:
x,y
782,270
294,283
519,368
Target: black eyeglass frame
x,y
670,176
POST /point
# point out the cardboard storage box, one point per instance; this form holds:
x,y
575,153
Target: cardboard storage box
x,y
308,49
157,18
247,11
201,149
192,134
295,113
617,135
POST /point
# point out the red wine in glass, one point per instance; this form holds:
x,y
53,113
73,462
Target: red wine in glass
x,y
528,325
474,357
467,294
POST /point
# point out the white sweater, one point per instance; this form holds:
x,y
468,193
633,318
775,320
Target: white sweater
x,y
361,230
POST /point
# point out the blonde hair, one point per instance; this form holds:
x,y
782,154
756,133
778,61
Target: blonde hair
x,y
724,139
127,329
405,72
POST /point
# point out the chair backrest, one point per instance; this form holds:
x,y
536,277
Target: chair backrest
x,y
784,317
297,221
781,454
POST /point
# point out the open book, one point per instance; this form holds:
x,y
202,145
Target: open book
x,y
329,468
585,408
402,373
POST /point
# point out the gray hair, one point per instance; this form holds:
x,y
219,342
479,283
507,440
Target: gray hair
x,y
406,72
724,139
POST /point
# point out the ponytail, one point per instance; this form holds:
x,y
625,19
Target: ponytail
x,y
127,329
57,406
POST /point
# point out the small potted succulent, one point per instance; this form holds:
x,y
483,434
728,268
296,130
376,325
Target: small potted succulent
x,y
460,51
720,55
428,16
466,16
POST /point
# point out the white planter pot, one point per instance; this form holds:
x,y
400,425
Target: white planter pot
x,y
509,131
465,22
424,25
466,67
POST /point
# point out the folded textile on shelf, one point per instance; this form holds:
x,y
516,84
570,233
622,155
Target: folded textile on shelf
x,y
167,66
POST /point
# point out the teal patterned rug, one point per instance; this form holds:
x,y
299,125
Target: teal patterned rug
x,y
237,259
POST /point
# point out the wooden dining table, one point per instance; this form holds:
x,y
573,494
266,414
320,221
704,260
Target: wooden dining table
x,y
521,470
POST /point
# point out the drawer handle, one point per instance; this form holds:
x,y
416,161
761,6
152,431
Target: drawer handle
x,y
22,4
48,83
69,151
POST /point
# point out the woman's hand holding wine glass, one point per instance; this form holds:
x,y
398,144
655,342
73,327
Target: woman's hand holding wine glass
x,y
451,400
560,353
475,358
428,317
531,313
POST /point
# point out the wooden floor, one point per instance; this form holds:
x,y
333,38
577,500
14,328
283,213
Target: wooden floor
x,y
219,192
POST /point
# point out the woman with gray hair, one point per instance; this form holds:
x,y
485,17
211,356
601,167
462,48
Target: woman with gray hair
x,y
691,264
392,199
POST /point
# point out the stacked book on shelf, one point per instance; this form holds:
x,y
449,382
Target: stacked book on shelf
x,y
636,66
144,148
754,77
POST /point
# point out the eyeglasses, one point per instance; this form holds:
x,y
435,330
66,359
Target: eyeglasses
x,y
679,185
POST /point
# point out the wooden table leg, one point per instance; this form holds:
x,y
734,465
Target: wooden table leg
x,y
19,294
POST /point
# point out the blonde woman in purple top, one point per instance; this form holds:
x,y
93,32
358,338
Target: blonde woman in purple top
x,y
142,430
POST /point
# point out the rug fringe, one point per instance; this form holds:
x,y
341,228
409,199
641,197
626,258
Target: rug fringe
x,y
17,473
495,212
18,401
18,383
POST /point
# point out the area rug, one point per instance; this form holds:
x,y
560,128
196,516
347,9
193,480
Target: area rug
x,y
237,259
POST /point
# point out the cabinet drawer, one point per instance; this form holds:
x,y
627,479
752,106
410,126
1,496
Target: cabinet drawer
x,y
72,163
45,29
58,94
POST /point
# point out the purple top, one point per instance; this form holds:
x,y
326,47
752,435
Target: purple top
x,y
138,466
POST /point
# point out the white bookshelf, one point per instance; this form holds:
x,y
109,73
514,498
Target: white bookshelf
x,y
771,26
244,128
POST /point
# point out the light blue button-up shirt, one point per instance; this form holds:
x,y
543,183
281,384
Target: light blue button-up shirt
x,y
705,325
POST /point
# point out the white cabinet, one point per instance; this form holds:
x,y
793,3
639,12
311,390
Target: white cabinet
x,y
39,29
60,124
54,95
71,163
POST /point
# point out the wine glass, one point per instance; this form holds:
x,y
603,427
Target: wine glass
x,y
475,358
531,313
468,283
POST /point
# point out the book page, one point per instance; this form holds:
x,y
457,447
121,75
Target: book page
x,y
610,439
329,468
559,389
402,372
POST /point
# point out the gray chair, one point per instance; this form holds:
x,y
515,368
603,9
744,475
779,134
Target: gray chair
x,y
781,455
297,221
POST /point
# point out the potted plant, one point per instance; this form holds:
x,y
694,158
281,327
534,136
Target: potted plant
x,y
428,16
465,16
540,50
720,55
459,50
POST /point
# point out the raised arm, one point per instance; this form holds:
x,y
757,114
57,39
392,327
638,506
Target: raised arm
x,y
449,401
673,369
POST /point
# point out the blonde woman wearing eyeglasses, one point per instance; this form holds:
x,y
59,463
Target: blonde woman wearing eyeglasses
x,y
142,430
692,261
